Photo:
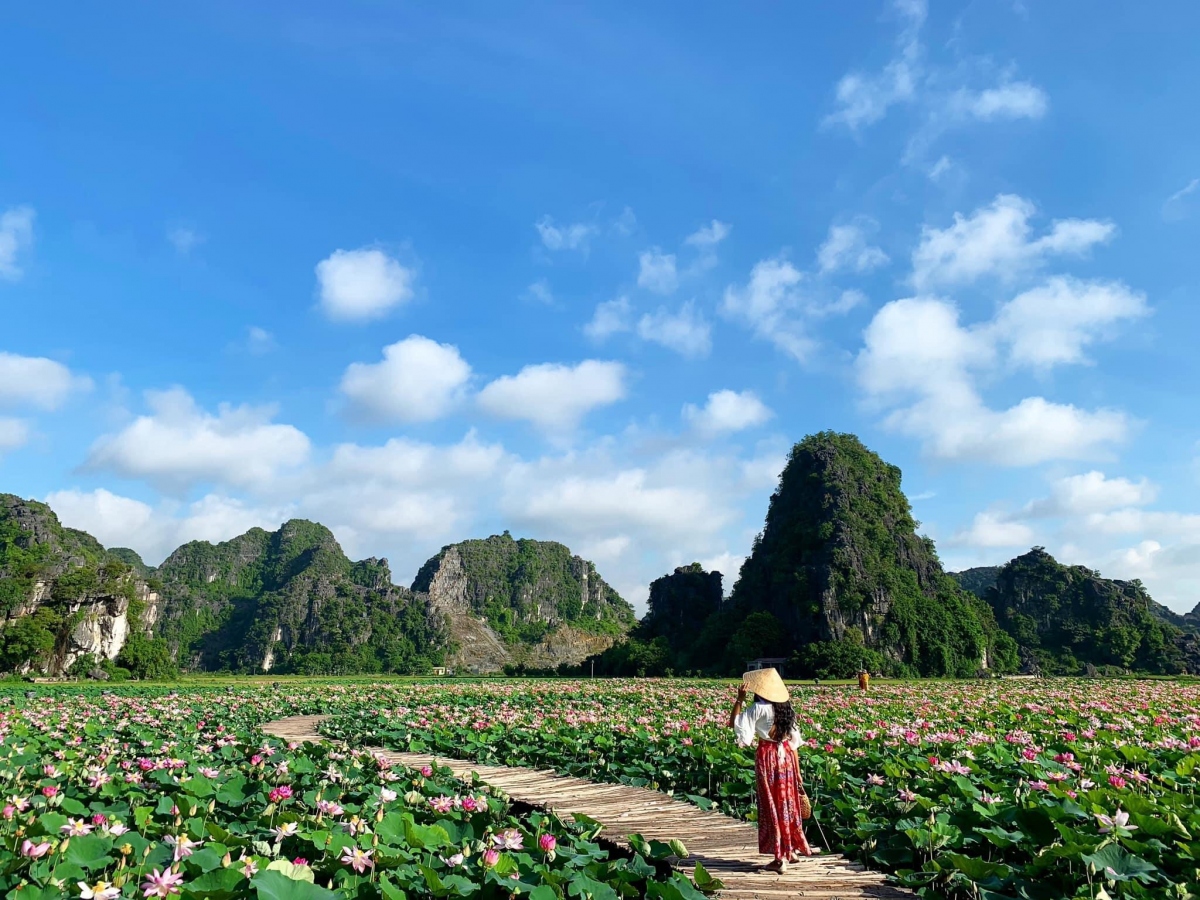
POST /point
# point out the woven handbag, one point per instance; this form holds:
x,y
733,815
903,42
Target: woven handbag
x,y
804,803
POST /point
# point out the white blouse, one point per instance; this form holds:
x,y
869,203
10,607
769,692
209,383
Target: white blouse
x,y
755,722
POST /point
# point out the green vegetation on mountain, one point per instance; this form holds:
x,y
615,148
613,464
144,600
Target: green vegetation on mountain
x,y
838,580
290,601
525,588
977,580
840,563
50,572
1069,617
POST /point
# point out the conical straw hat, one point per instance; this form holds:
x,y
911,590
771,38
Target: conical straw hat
x,y
767,684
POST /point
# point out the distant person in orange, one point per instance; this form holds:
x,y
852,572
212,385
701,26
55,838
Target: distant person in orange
x,y
864,680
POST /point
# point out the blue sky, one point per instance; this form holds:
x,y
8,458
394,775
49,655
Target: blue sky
x,y
586,273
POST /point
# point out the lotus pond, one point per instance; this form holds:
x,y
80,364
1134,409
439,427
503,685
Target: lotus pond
x,y
159,793
1038,790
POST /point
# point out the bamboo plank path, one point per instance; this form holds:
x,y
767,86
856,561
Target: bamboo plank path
x,y
727,847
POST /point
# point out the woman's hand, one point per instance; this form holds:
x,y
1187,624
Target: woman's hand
x,y
741,694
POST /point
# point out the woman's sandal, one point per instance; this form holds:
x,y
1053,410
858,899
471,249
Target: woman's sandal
x,y
779,866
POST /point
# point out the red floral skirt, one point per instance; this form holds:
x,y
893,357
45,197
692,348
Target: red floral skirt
x,y
780,829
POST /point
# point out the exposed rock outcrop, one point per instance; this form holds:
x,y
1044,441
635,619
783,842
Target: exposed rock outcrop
x,y
520,602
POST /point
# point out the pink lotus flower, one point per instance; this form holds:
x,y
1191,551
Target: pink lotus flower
x,y
357,859
387,795
34,851
875,779
162,884
1119,820
547,842
184,846
101,890
299,861
76,828
283,792
441,804
1116,781
427,771
509,839
490,858
249,868
906,796
49,791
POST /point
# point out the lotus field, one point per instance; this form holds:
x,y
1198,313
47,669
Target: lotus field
x,y
157,793
1035,790
992,790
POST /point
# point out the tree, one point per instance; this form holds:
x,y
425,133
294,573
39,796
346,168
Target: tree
x,y
147,658
28,639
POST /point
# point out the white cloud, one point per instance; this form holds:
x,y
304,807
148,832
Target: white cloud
x,y
419,380
686,332
708,236
540,292
939,94
156,531
616,501
259,340
1054,322
846,301
1013,100
37,381
728,564
611,317
767,305
565,237
179,444
14,433
184,240
847,248
1090,493
940,168
16,236
359,285
111,519
863,99
916,352
727,411
656,271
992,530
995,240
555,397
1180,204
626,223
405,462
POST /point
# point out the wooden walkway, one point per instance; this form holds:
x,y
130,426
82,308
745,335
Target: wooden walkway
x,y
727,847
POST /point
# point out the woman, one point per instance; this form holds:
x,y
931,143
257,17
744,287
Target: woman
x,y
772,721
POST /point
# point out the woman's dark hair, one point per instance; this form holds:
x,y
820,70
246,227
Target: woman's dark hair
x,y
785,720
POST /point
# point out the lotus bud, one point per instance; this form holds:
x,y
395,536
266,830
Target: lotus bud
x,y
227,860
212,805
62,848
192,810
379,814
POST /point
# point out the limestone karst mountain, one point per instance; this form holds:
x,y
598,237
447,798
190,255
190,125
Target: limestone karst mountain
x,y
290,601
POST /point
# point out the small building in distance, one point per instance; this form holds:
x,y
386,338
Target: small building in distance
x,y
442,671
768,662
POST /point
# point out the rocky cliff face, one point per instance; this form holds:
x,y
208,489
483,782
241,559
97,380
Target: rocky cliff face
x,y
510,602
1069,617
291,601
839,561
63,597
